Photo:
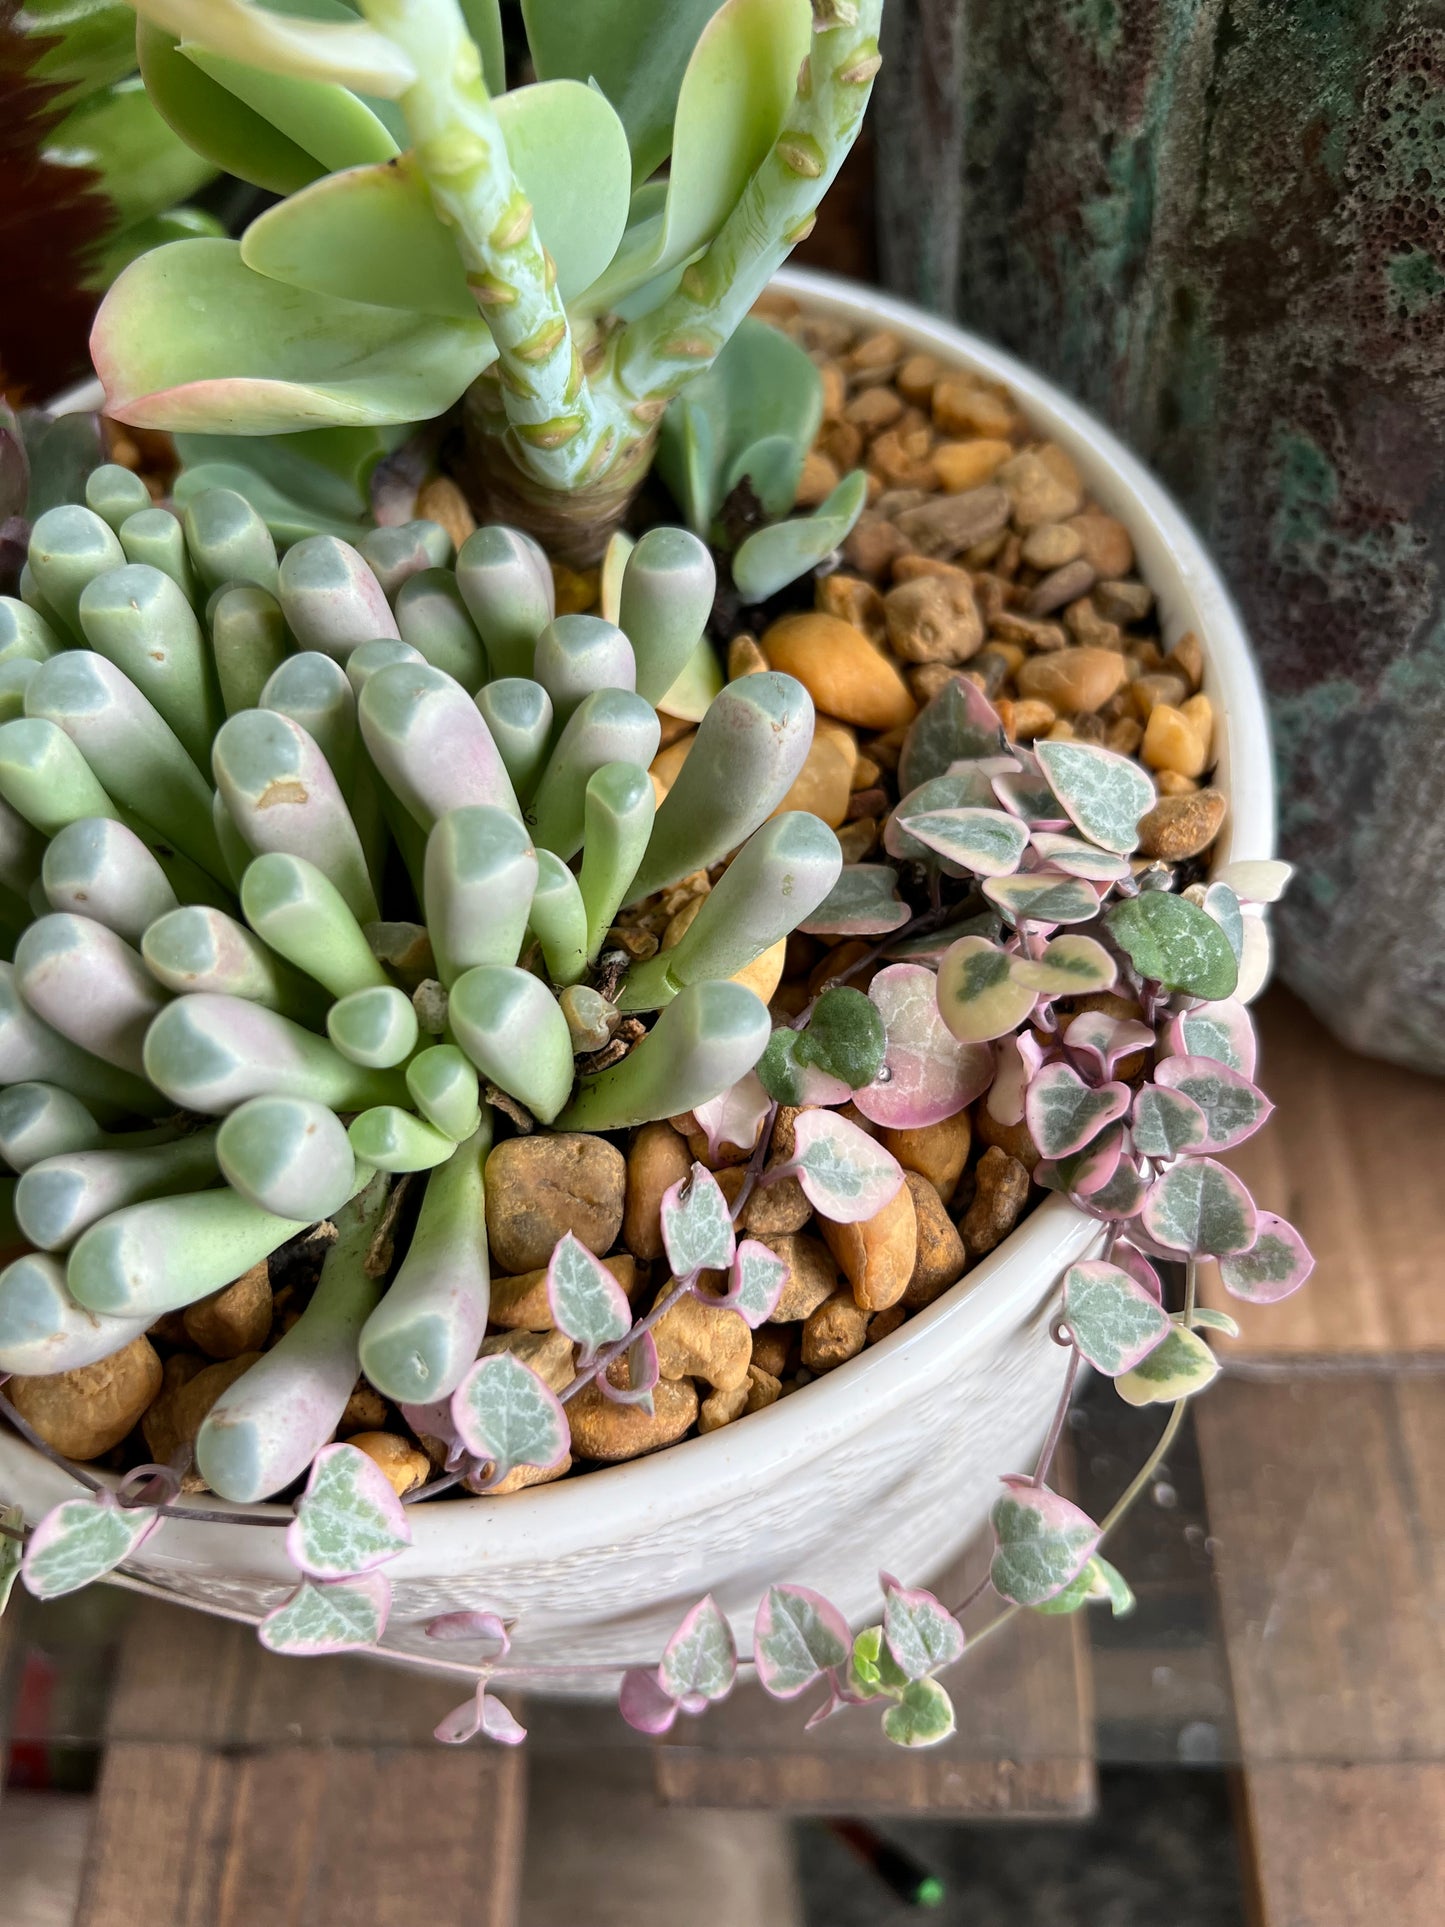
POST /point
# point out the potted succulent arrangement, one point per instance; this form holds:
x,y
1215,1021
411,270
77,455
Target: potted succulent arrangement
x,y
601,1078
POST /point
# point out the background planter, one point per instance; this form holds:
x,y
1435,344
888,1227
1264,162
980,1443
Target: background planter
x,y
891,1461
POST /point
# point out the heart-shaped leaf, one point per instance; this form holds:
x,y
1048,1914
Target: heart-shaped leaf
x,y
786,1079
1114,1321
1107,1039
963,788
797,1636
700,1660
959,725
1041,898
864,902
1176,1369
81,1540
1104,793
847,1176
1232,1108
872,1669
1276,1264
697,1230
482,1713
931,946
1172,942
1166,1122
1199,1206
845,1037
1204,1318
1064,1113
1219,901
1078,859
1122,1196
1098,1580
979,997
922,1716
587,1302
1129,1258
757,1281
926,1074
1085,1172
644,1702
329,1616
1025,794
1067,967
772,557
1223,1031
1041,1541
1256,879
989,843
921,1634
736,1117
506,1416
471,1626
349,1518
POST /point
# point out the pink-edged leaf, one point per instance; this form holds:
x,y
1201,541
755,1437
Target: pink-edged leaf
x,y
643,1703
642,1375
1024,793
1178,1368
833,1703
1276,1264
1197,1205
978,996
1223,1031
81,1540
329,1616
1105,1039
1076,858
959,724
961,788
846,1175
1064,1113
349,1518
588,1304
737,1116
921,1632
922,1715
480,1714
499,1723
1019,1059
1041,1542
983,842
1043,899
505,1415
1102,792
756,1284
1167,1122
927,1075
1128,1257
434,1421
864,902
697,1230
471,1626
1089,1170
1069,966
1114,1321
797,1635
1232,1108
700,1661
1122,1196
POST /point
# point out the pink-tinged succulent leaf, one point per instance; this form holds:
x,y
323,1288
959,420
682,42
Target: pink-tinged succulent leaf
x,y
643,1702
697,1230
499,1723
984,842
1223,1031
1182,1365
434,1421
471,1626
1103,793
1078,859
921,1632
329,1616
81,1540
921,1716
927,1075
1070,966
642,1376
1204,1318
1106,1039
588,1305
756,1284
1199,1206
1217,900
1019,1058
1064,1113
1232,1108
1167,1122
864,902
480,1714
349,1518
1170,941
1128,1257
1121,1197
1041,1542
797,1636
1276,1264
834,1702
960,724
506,1416
979,998
1114,1321
931,946
1043,899
846,1175
737,1116
700,1661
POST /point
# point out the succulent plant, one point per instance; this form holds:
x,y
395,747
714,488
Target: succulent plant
x,y
291,885
444,241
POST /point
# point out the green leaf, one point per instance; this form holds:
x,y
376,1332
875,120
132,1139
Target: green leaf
x,y
81,1540
771,558
1042,1542
504,1414
1165,1123
1205,1318
979,998
1177,1369
700,1658
1114,1321
697,1231
922,1717
1105,794
990,843
864,902
329,122
847,1176
797,1635
1172,942
845,1037
210,119
339,1616
1064,1113
1041,898
1068,967
349,1518
1098,1580
587,1302
919,1631
1197,1205
959,725
145,167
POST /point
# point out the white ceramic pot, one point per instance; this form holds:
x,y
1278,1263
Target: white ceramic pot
x,y
890,1462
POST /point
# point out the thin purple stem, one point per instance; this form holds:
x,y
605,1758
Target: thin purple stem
x,y
1061,1413
610,1353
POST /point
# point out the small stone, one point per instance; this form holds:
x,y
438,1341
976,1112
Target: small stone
x,y
745,658
442,502
883,1324
835,390
812,1275
873,544
1086,625
1123,602
522,1476
873,410
83,1413
840,669
1001,1192
1060,586
550,1354
365,1410
903,458
824,785
853,600
1181,739
834,1332
877,352
1042,486
941,1257
173,1420
772,1348
917,377
926,679
1029,717
1187,656
539,1188
1012,1138
1146,691
1052,545
1073,681
403,1465
960,466
817,481
698,1340
937,1152
609,1433
1179,827
949,523
1169,782
1105,541
933,620
521,1303
1124,736
721,1408
961,408
878,1255
235,1319
841,443
657,1159
764,1388
764,973
776,1210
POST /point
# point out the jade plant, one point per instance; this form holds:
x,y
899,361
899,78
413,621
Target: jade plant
x,y
520,257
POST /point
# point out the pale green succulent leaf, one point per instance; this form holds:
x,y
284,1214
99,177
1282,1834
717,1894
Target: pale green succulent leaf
x,y
144,166
771,558
327,121
214,123
334,48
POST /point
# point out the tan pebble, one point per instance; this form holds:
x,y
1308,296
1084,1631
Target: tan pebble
x,y
937,1152
365,1410
853,600
721,1408
775,1210
874,410
1187,657
834,1332
667,764
1028,718
835,390
916,378
540,1187
550,1354
1146,655
84,1412
778,306
840,669
883,1324
1124,736
1051,546
866,774
772,1348
1073,680
1009,626
932,619
1169,782
1011,1138
960,408
882,349
1060,586
902,458
576,590
442,502
764,973
841,444
174,1419
1086,625
817,481
1062,732
764,1388
680,922
812,1275
925,679
878,1255
964,465
403,1465
235,1319
1105,542
1043,486
941,1258
672,729
521,1477
608,1432
947,524
1009,655
825,782
1179,739
873,545
1179,827
1162,687
1123,602
1001,1192
745,658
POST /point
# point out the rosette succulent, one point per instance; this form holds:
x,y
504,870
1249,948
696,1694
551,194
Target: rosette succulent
x,y
305,863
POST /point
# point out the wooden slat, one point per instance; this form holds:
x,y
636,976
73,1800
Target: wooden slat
x,y
1347,1846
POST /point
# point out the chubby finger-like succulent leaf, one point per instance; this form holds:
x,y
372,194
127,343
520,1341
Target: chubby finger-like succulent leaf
x,y
979,998
756,1283
700,1661
1171,941
736,1116
921,1633
847,1176
990,843
81,1540
1041,1542
1064,1113
1232,1108
329,1616
864,902
504,1414
1041,898
1104,793
771,558
1071,966
1276,1264
1223,1031
798,1635
697,1232
1199,1206
587,1302
922,1716
1182,1365
959,725
1114,1320
1166,1122
926,1074
349,1518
